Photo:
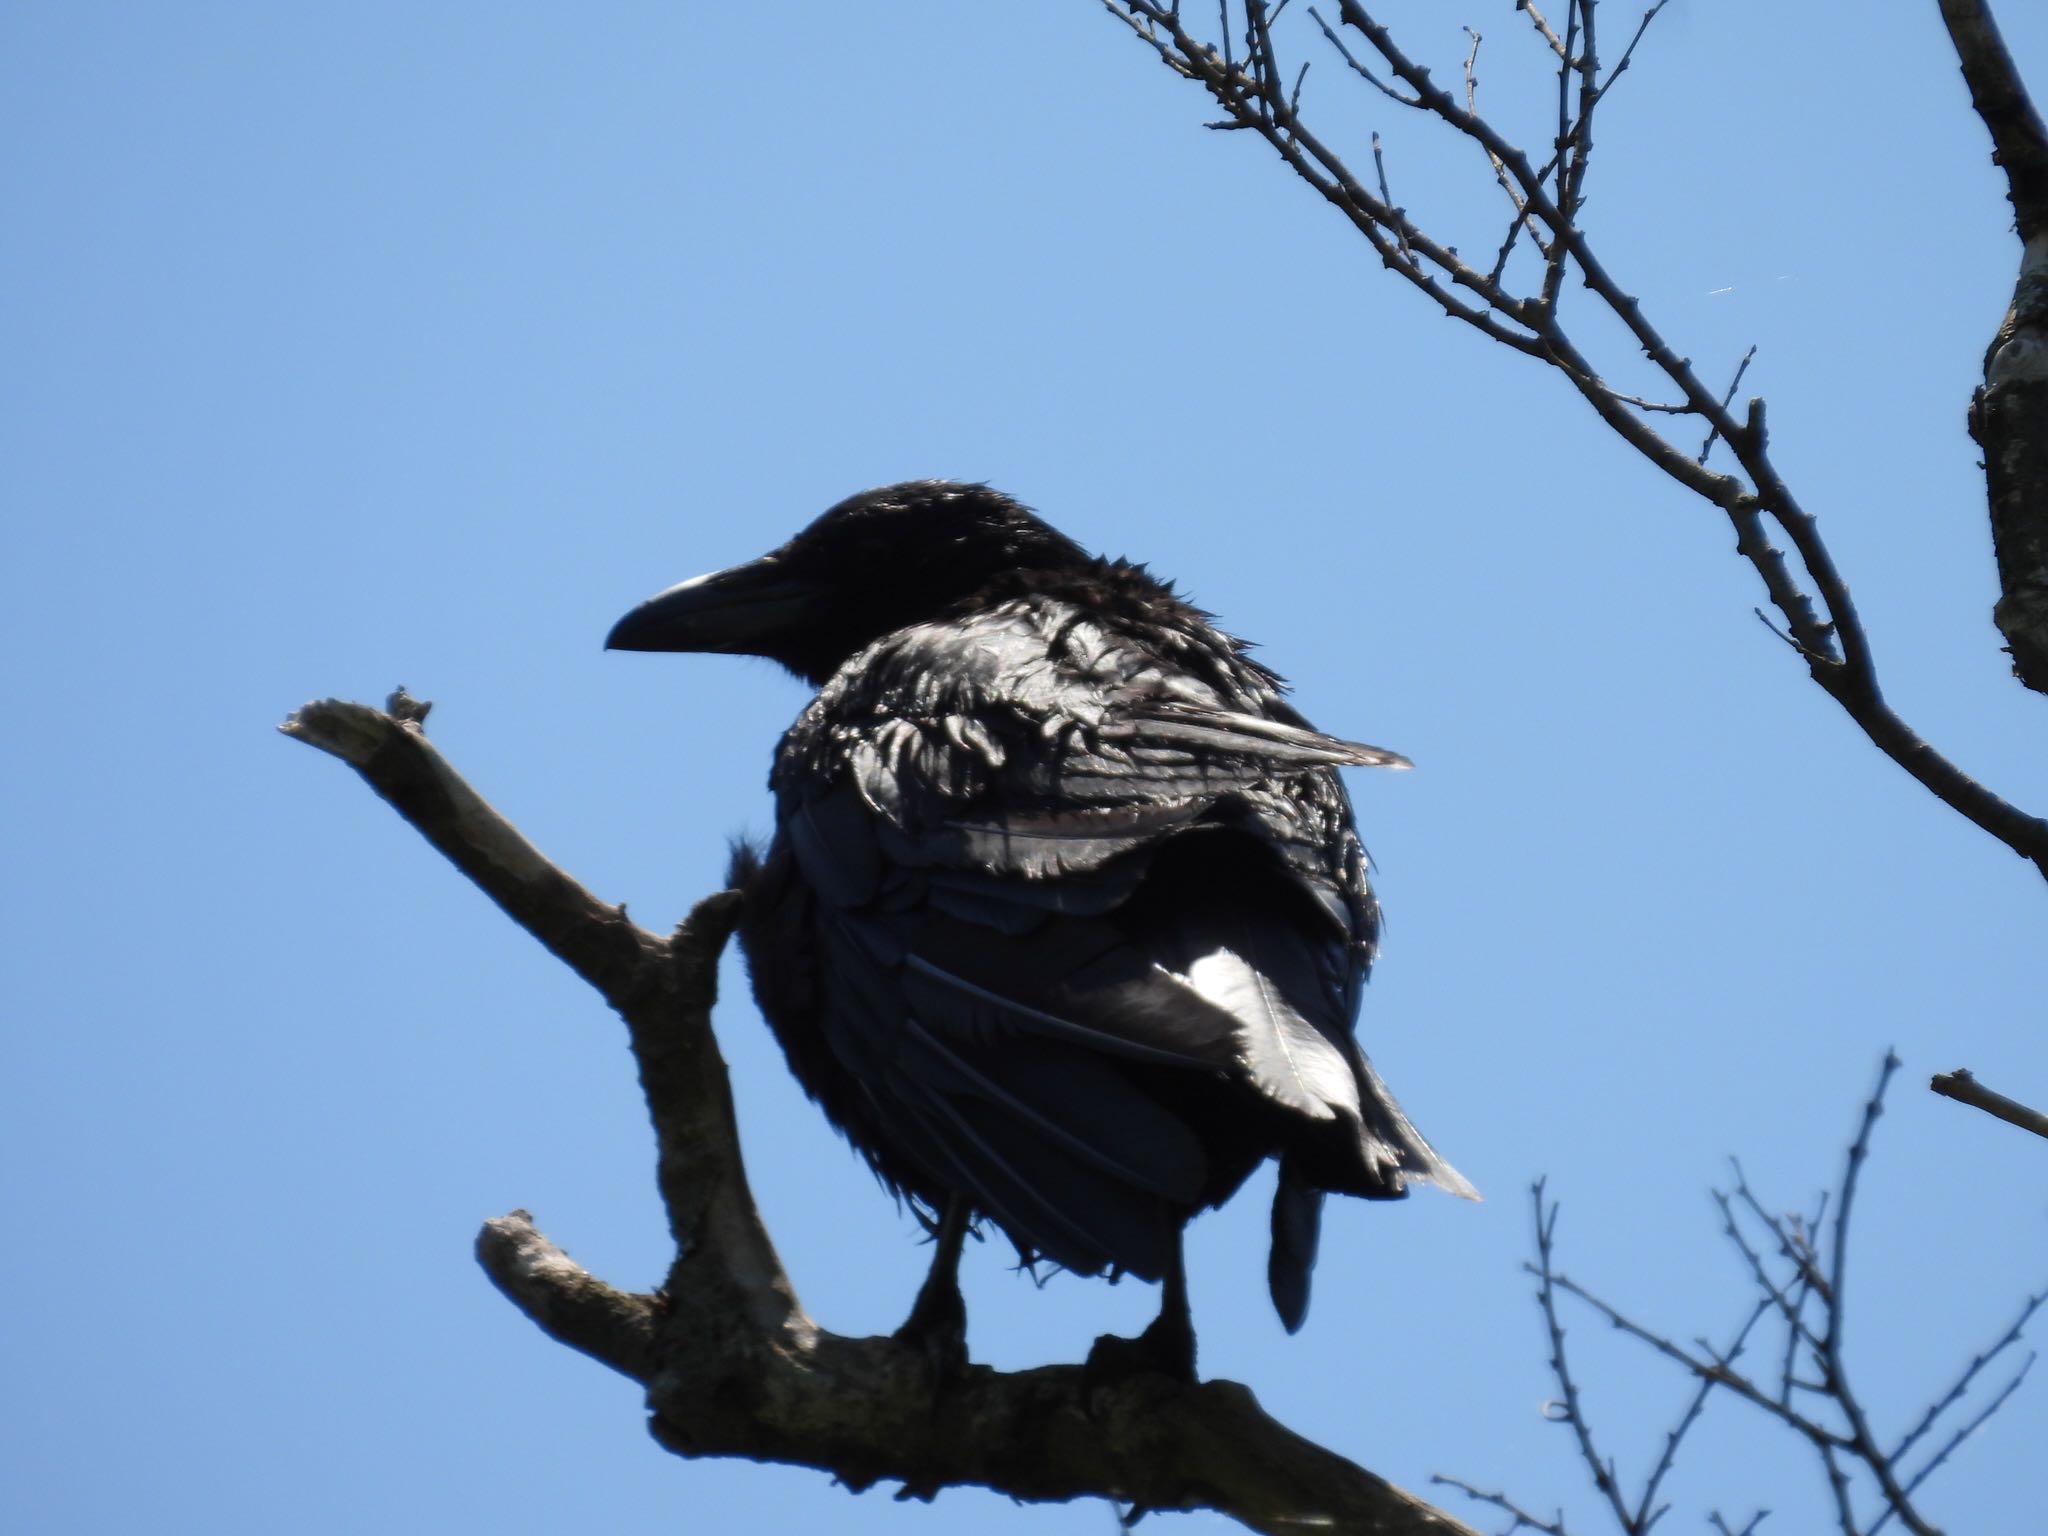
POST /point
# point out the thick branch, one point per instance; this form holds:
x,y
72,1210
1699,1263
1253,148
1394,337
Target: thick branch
x,y
653,983
731,1364
2009,415
2019,144
1960,1085
569,1303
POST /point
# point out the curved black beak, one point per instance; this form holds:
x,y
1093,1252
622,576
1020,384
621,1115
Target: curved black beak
x,y
742,611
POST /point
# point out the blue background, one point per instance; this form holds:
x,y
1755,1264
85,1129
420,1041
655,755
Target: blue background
x,y
355,345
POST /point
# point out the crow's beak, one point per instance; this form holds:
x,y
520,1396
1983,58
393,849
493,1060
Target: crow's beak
x,y
741,611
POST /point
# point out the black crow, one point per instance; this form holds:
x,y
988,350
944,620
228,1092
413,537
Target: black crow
x,y
1065,917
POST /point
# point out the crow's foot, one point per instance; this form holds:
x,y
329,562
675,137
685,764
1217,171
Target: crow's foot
x,y
1167,1348
937,1326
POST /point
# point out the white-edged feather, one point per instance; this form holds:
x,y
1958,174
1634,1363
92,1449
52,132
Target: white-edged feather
x,y
1286,1057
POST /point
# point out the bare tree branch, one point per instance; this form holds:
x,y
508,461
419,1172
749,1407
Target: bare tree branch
x,y
2009,415
732,1365
1813,598
1543,28
1835,1424
1524,1521
2010,1339
2019,141
1960,1085
1727,397
570,1305
1961,1433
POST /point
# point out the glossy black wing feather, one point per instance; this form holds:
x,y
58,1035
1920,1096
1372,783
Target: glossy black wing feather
x,y
1079,980
1046,1200
1074,1104
1092,927
1029,844
1220,736
1077,1164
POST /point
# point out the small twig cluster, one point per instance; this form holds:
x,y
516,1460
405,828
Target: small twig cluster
x,y
1798,1268
1243,71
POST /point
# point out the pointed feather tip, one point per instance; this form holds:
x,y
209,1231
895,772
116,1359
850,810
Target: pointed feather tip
x,y
1287,1277
1360,755
1292,1309
1452,1182
743,861
1297,1227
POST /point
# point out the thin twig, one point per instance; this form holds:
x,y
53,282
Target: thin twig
x,y
1861,1441
1840,1451
1963,1432
1589,98
1379,161
1727,397
1661,407
1553,267
1954,1395
1628,53
1544,29
1810,1284
1500,175
1524,1521
1574,1413
1791,1245
1359,69
1648,1511
1258,38
1788,1309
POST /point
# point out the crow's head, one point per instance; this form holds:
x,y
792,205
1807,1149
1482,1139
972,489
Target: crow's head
x,y
874,564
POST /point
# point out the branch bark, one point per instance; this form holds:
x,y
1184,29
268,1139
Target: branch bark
x,y
731,1363
1822,624
2009,414
1964,1088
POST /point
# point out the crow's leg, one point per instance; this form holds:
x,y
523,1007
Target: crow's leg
x,y
1166,1347
1170,1339
938,1318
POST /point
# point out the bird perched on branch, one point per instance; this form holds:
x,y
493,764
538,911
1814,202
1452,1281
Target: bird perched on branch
x,y
1065,917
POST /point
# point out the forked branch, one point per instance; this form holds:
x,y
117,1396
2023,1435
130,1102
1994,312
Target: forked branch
x,y
1800,1284
732,1365
1546,199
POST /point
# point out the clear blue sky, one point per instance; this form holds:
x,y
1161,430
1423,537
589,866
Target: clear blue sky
x,y
354,345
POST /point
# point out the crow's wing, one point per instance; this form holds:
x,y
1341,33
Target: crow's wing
x,y
1053,867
